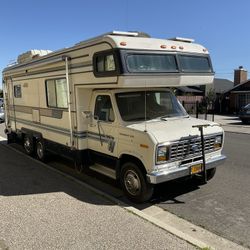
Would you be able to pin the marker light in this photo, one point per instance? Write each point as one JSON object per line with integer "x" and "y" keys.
{"x": 173, "y": 47}
{"x": 123, "y": 43}
{"x": 163, "y": 46}
{"x": 218, "y": 142}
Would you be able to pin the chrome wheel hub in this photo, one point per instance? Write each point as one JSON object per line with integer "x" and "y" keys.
{"x": 27, "y": 145}
{"x": 132, "y": 182}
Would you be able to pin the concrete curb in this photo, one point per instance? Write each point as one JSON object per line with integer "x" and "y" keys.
{"x": 171, "y": 223}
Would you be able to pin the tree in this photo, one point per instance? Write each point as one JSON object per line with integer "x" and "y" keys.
{"x": 1, "y": 93}
{"x": 210, "y": 96}
{"x": 209, "y": 100}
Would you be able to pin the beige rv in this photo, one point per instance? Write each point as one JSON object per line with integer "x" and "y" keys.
{"x": 106, "y": 104}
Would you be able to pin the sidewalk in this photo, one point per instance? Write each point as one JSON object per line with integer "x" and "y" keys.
{"x": 232, "y": 123}
{"x": 41, "y": 209}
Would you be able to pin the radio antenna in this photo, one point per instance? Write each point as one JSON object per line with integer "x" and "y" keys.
{"x": 145, "y": 108}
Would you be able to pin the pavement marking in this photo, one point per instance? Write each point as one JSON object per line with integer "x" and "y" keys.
{"x": 169, "y": 222}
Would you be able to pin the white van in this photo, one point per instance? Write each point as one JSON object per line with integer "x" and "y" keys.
{"x": 107, "y": 104}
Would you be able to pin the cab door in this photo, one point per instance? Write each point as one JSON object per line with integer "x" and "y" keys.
{"x": 102, "y": 132}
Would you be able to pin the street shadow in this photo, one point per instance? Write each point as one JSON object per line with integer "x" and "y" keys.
{"x": 22, "y": 175}
{"x": 169, "y": 193}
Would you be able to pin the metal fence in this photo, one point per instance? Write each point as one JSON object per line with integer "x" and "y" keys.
{"x": 201, "y": 110}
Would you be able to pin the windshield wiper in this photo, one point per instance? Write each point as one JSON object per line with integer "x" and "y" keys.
{"x": 165, "y": 116}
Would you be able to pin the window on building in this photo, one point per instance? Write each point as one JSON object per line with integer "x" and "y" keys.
{"x": 57, "y": 93}
{"x": 17, "y": 91}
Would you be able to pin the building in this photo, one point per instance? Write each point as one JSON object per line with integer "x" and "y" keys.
{"x": 239, "y": 95}
{"x": 219, "y": 86}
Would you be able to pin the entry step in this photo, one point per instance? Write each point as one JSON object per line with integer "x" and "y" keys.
{"x": 104, "y": 170}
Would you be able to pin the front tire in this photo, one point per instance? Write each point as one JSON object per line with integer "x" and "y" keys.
{"x": 210, "y": 173}
{"x": 134, "y": 183}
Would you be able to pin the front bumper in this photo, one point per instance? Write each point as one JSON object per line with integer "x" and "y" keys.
{"x": 182, "y": 171}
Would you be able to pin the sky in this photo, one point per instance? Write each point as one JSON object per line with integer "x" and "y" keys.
{"x": 222, "y": 26}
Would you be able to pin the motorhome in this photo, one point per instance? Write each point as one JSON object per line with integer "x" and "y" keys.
{"x": 107, "y": 104}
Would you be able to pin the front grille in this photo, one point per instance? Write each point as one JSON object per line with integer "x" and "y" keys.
{"x": 190, "y": 148}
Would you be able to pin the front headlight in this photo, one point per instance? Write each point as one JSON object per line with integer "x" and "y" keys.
{"x": 162, "y": 154}
{"x": 218, "y": 142}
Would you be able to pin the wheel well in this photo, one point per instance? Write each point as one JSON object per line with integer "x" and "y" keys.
{"x": 35, "y": 135}
{"x": 129, "y": 158}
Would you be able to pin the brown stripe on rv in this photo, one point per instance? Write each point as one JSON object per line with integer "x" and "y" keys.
{"x": 54, "y": 113}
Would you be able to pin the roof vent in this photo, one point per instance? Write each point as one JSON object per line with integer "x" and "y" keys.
{"x": 129, "y": 33}
{"x": 182, "y": 39}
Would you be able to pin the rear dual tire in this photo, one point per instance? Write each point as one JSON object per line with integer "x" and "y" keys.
{"x": 40, "y": 150}
{"x": 34, "y": 147}
{"x": 28, "y": 144}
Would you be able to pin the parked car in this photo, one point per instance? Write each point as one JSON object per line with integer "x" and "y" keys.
{"x": 2, "y": 116}
{"x": 244, "y": 113}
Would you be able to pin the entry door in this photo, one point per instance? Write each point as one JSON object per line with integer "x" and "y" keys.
{"x": 102, "y": 133}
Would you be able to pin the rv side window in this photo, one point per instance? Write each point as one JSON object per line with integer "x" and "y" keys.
{"x": 17, "y": 91}
{"x": 154, "y": 63}
{"x": 104, "y": 64}
{"x": 103, "y": 109}
{"x": 56, "y": 93}
{"x": 197, "y": 64}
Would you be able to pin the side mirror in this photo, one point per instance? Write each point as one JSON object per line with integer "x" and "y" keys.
{"x": 89, "y": 117}
{"x": 87, "y": 114}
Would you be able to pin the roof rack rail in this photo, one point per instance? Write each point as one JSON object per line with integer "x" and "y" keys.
{"x": 182, "y": 39}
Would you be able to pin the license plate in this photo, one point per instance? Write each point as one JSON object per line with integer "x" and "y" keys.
{"x": 196, "y": 168}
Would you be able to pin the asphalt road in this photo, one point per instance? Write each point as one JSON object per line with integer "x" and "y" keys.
{"x": 221, "y": 206}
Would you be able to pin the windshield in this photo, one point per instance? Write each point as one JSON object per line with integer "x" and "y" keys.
{"x": 159, "y": 104}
